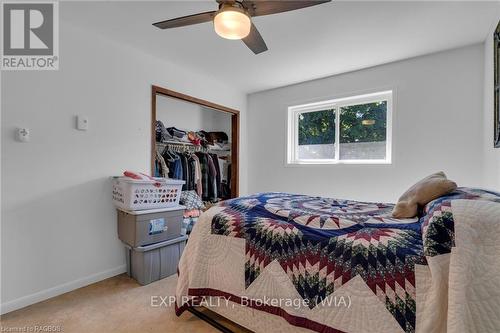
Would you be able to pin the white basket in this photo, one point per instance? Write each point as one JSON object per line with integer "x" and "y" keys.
{"x": 131, "y": 194}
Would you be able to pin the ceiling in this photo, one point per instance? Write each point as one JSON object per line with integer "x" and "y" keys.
{"x": 310, "y": 43}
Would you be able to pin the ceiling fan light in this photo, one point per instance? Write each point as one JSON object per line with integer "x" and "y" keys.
{"x": 232, "y": 23}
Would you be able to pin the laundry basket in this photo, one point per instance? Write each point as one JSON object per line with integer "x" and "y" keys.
{"x": 131, "y": 194}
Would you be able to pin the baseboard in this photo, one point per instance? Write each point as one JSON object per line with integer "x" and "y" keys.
{"x": 61, "y": 289}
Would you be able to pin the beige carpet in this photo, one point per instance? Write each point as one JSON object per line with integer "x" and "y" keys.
{"x": 118, "y": 304}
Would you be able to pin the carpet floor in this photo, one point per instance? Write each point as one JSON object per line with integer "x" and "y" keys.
{"x": 118, "y": 304}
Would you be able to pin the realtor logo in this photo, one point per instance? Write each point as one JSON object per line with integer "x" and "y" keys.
{"x": 30, "y": 36}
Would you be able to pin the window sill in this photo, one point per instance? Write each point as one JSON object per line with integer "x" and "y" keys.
{"x": 335, "y": 162}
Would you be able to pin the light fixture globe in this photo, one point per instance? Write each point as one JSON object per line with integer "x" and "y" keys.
{"x": 232, "y": 23}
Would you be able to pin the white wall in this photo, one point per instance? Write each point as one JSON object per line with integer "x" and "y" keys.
{"x": 58, "y": 222}
{"x": 191, "y": 117}
{"x": 491, "y": 155}
{"x": 437, "y": 125}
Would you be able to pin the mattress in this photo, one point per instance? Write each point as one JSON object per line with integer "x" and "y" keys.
{"x": 301, "y": 263}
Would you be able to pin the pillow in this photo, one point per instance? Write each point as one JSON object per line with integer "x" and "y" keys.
{"x": 191, "y": 200}
{"x": 423, "y": 192}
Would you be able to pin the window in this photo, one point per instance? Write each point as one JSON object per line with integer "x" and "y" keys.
{"x": 346, "y": 130}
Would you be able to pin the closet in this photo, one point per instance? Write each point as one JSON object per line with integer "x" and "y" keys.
{"x": 197, "y": 141}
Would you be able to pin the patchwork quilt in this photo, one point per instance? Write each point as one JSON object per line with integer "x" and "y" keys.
{"x": 332, "y": 265}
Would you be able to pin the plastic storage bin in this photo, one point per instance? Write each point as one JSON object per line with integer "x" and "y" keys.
{"x": 131, "y": 194}
{"x": 144, "y": 227}
{"x": 150, "y": 263}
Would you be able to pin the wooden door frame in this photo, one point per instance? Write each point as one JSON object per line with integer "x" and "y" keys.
{"x": 235, "y": 129}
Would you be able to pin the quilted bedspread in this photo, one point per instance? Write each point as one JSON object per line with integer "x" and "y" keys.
{"x": 333, "y": 265}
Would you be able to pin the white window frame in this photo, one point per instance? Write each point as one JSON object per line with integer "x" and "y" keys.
{"x": 336, "y": 104}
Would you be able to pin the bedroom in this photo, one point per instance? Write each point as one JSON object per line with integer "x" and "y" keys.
{"x": 66, "y": 131}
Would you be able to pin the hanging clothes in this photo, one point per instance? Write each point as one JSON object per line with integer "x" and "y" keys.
{"x": 174, "y": 164}
{"x": 197, "y": 167}
{"x": 222, "y": 168}
{"x": 192, "y": 173}
{"x": 204, "y": 175}
{"x": 215, "y": 159}
{"x": 204, "y": 172}
{"x": 185, "y": 171}
{"x": 161, "y": 168}
{"x": 212, "y": 179}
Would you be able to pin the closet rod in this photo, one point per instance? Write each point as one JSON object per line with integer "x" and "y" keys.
{"x": 190, "y": 146}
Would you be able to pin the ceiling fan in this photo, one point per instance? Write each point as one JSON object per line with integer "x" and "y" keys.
{"x": 233, "y": 18}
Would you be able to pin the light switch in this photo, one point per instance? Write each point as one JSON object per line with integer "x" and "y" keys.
{"x": 23, "y": 134}
{"x": 82, "y": 123}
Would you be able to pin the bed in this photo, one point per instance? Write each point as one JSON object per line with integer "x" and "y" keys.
{"x": 284, "y": 262}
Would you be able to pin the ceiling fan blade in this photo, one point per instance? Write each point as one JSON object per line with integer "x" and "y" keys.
{"x": 186, "y": 20}
{"x": 259, "y": 8}
{"x": 254, "y": 41}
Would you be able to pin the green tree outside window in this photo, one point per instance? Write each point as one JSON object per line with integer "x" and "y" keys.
{"x": 358, "y": 123}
